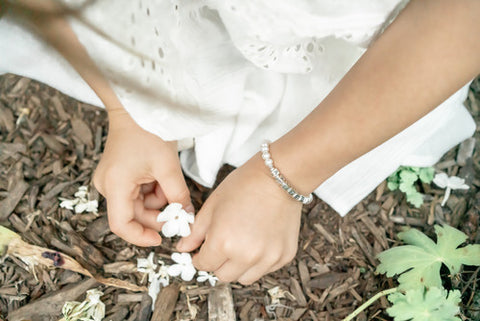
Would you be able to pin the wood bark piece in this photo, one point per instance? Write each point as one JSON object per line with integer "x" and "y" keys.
{"x": 165, "y": 303}
{"x": 220, "y": 304}
{"x": 51, "y": 305}
{"x": 14, "y": 196}
{"x": 97, "y": 229}
{"x": 297, "y": 292}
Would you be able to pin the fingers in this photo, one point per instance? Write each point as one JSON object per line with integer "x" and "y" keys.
{"x": 231, "y": 271}
{"x": 174, "y": 187}
{"x": 146, "y": 217}
{"x": 120, "y": 209}
{"x": 254, "y": 273}
{"x": 208, "y": 258}
{"x": 198, "y": 231}
{"x": 154, "y": 197}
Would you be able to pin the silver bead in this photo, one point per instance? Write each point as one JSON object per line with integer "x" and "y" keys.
{"x": 266, "y": 156}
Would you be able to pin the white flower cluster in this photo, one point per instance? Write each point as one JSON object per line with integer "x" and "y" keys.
{"x": 159, "y": 274}
{"x": 92, "y": 309}
{"x": 177, "y": 222}
{"x": 81, "y": 203}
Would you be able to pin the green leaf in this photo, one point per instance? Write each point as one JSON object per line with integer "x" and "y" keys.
{"x": 419, "y": 305}
{"x": 407, "y": 187}
{"x": 6, "y": 236}
{"x": 408, "y": 177}
{"x": 415, "y": 198}
{"x": 426, "y": 174}
{"x": 419, "y": 263}
{"x": 393, "y": 181}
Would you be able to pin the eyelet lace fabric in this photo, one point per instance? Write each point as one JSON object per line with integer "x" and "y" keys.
{"x": 225, "y": 75}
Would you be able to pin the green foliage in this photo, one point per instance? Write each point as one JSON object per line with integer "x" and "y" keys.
{"x": 5, "y": 237}
{"x": 420, "y": 305}
{"x": 419, "y": 263}
{"x": 405, "y": 178}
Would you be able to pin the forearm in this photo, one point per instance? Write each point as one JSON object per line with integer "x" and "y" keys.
{"x": 428, "y": 53}
{"x": 55, "y": 29}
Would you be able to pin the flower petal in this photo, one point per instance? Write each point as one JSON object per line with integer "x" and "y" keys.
{"x": 175, "y": 269}
{"x": 170, "y": 228}
{"x": 176, "y": 257}
{"x": 183, "y": 228}
{"x": 188, "y": 272}
{"x": 202, "y": 278}
{"x": 441, "y": 180}
{"x": 457, "y": 183}
{"x": 184, "y": 258}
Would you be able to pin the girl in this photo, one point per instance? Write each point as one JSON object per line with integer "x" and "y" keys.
{"x": 216, "y": 78}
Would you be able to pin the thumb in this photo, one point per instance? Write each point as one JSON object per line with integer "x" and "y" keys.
{"x": 196, "y": 237}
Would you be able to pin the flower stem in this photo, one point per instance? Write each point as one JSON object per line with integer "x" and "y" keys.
{"x": 369, "y": 302}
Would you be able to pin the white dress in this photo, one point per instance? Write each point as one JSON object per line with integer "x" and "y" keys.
{"x": 221, "y": 76}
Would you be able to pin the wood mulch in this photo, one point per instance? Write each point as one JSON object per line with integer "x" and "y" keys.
{"x": 50, "y": 145}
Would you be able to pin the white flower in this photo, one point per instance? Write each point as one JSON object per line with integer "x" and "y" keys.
{"x": 449, "y": 183}
{"x": 88, "y": 206}
{"x": 177, "y": 220}
{"x": 80, "y": 204}
{"x": 184, "y": 266}
{"x": 92, "y": 309}
{"x": 154, "y": 288}
{"x": 82, "y": 193}
{"x": 147, "y": 266}
{"x": 156, "y": 280}
{"x": 68, "y": 204}
{"x": 162, "y": 274}
{"x": 205, "y": 276}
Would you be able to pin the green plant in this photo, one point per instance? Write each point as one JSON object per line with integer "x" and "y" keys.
{"x": 420, "y": 295}
{"x": 405, "y": 178}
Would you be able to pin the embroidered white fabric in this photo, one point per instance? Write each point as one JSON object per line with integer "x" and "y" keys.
{"x": 223, "y": 75}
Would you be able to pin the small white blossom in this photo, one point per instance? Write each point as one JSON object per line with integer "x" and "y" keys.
{"x": 81, "y": 203}
{"x": 147, "y": 266}
{"x": 68, "y": 204}
{"x": 156, "y": 279}
{"x": 177, "y": 220}
{"x": 183, "y": 266}
{"x": 82, "y": 192}
{"x": 162, "y": 274}
{"x": 92, "y": 309}
{"x": 449, "y": 183}
{"x": 205, "y": 276}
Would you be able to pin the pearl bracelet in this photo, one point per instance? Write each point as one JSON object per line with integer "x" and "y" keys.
{"x": 280, "y": 179}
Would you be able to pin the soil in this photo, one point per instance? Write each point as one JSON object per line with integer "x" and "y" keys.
{"x": 50, "y": 145}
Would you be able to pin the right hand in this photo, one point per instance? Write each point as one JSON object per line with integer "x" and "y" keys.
{"x": 138, "y": 174}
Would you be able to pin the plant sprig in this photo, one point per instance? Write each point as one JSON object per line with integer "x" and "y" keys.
{"x": 405, "y": 179}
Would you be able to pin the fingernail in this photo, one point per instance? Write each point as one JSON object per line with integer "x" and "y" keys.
{"x": 190, "y": 209}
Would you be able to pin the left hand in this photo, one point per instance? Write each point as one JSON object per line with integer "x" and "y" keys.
{"x": 249, "y": 226}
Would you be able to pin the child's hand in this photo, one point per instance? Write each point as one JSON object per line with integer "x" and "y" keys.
{"x": 138, "y": 174}
{"x": 249, "y": 224}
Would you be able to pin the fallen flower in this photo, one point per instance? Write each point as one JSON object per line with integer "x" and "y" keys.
{"x": 177, "y": 220}
{"x": 147, "y": 266}
{"x": 156, "y": 279}
{"x": 92, "y": 309}
{"x": 205, "y": 276}
{"x": 183, "y": 266}
{"x": 449, "y": 183}
{"x": 81, "y": 203}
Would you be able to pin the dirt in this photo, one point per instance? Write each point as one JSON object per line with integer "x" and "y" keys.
{"x": 50, "y": 145}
